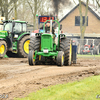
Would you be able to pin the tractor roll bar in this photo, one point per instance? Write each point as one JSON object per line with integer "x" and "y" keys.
{"x": 51, "y": 28}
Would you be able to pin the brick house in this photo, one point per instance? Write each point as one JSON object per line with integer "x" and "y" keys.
{"x": 71, "y": 22}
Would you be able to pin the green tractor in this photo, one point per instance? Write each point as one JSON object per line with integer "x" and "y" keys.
{"x": 43, "y": 47}
{"x": 14, "y": 39}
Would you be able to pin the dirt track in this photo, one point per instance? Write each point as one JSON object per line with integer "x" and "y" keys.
{"x": 17, "y": 78}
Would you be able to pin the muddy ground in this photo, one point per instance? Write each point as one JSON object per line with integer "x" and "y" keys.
{"x": 18, "y": 79}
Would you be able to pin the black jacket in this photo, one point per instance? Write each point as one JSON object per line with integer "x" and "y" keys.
{"x": 48, "y": 29}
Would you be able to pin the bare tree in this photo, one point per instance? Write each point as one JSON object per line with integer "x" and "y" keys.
{"x": 15, "y": 9}
{"x": 5, "y": 7}
{"x": 16, "y": 4}
{"x": 37, "y": 7}
{"x": 83, "y": 27}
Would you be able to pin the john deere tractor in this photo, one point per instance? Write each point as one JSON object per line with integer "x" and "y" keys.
{"x": 14, "y": 39}
{"x": 43, "y": 47}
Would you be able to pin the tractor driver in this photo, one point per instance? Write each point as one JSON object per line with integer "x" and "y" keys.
{"x": 47, "y": 28}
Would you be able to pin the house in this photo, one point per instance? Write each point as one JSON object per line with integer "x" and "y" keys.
{"x": 71, "y": 22}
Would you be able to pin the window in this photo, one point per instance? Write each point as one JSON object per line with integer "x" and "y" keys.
{"x": 77, "y": 20}
{"x": 8, "y": 27}
{"x": 24, "y": 27}
{"x": 18, "y": 28}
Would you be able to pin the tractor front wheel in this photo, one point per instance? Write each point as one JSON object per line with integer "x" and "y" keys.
{"x": 3, "y": 48}
{"x": 35, "y": 45}
{"x": 31, "y": 60}
{"x": 60, "y": 58}
{"x": 23, "y": 46}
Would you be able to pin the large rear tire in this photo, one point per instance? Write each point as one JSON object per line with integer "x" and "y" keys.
{"x": 66, "y": 46}
{"x": 3, "y": 48}
{"x": 35, "y": 45}
{"x": 23, "y": 46}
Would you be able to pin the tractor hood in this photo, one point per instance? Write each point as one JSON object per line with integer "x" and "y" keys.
{"x": 47, "y": 42}
{"x": 3, "y": 34}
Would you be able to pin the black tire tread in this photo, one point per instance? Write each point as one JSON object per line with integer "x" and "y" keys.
{"x": 30, "y": 57}
{"x": 2, "y": 42}
{"x": 35, "y": 45}
{"x": 59, "y": 58}
{"x": 21, "y": 52}
{"x": 65, "y": 46}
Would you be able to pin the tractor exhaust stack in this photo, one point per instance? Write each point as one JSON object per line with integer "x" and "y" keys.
{"x": 51, "y": 25}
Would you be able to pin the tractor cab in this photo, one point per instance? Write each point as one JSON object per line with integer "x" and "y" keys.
{"x": 15, "y": 35}
{"x": 16, "y": 28}
{"x": 13, "y": 29}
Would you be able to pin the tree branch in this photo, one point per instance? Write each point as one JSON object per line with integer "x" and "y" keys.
{"x": 11, "y": 9}
{"x": 86, "y": 13}
{"x": 98, "y": 3}
{"x": 74, "y": 2}
{"x": 30, "y": 7}
{"x": 81, "y": 18}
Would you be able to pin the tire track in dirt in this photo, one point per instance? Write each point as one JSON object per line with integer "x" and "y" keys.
{"x": 20, "y": 79}
{"x": 22, "y": 89}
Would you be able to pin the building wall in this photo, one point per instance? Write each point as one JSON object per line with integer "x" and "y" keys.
{"x": 68, "y": 24}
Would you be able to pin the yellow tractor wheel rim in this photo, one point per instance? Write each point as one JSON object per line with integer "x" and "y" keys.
{"x": 70, "y": 54}
{"x": 62, "y": 59}
{"x": 26, "y": 46}
{"x": 33, "y": 58}
{"x": 39, "y": 57}
{"x": 2, "y": 49}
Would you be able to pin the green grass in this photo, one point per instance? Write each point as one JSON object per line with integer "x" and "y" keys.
{"x": 86, "y": 89}
{"x": 87, "y": 55}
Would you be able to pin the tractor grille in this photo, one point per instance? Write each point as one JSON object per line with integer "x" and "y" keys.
{"x": 47, "y": 42}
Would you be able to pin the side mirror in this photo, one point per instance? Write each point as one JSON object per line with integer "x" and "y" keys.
{"x": 13, "y": 24}
{"x": 60, "y": 27}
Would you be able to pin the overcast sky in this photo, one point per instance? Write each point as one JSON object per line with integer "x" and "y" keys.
{"x": 68, "y": 8}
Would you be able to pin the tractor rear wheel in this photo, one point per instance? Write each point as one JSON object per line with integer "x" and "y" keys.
{"x": 3, "y": 48}
{"x": 66, "y": 46}
{"x": 35, "y": 45}
{"x": 60, "y": 58}
{"x": 23, "y": 47}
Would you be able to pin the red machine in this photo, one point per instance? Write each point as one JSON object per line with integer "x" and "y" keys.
{"x": 90, "y": 49}
{"x": 87, "y": 49}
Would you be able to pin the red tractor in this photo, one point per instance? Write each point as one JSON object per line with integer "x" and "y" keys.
{"x": 90, "y": 49}
{"x": 87, "y": 49}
